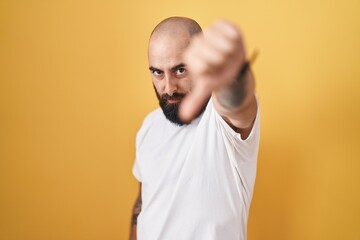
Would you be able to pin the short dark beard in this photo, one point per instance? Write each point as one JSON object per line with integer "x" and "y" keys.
{"x": 171, "y": 110}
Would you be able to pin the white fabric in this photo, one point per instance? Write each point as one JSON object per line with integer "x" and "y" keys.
{"x": 197, "y": 180}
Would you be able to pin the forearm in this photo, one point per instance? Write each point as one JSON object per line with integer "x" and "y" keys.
{"x": 135, "y": 213}
{"x": 236, "y": 103}
{"x": 133, "y": 232}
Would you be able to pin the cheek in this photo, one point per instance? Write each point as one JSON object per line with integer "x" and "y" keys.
{"x": 157, "y": 85}
{"x": 186, "y": 85}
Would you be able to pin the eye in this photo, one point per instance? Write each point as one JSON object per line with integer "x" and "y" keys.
{"x": 157, "y": 73}
{"x": 180, "y": 71}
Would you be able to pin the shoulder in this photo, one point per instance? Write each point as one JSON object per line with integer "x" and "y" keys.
{"x": 152, "y": 118}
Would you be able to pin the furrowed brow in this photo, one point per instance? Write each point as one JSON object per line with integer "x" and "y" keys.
{"x": 153, "y": 69}
{"x": 181, "y": 65}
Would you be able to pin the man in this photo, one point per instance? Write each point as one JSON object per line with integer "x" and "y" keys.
{"x": 196, "y": 156}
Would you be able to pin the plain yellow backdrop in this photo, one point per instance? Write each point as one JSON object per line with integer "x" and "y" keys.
{"x": 74, "y": 89}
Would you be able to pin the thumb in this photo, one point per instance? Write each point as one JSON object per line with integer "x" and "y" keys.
{"x": 194, "y": 103}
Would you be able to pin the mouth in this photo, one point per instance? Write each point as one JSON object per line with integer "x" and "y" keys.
{"x": 173, "y": 101}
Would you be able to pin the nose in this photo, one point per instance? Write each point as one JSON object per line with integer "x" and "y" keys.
{"x": 170, "y": 85}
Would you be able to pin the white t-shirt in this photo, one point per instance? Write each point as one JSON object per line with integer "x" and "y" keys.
{"x": 197, "y": 180}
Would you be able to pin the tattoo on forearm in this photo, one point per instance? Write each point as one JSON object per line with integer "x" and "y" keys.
{"x": 233, "y": 96}
{"x": 136, "y": 210}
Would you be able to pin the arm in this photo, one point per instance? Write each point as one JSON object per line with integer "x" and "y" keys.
{"x": 237, "y": 103}
{"x": 135, "y": 213}
{"x": 216, "y": 61}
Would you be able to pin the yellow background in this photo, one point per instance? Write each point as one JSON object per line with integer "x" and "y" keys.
{"x": 74, "y": 89}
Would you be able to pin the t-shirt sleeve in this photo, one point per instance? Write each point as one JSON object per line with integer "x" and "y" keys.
{"x": 245, "y": 149}
{"x": 136, "y": 171}
{"x": 242, "y": 153}
{"x": 137, "y": 168}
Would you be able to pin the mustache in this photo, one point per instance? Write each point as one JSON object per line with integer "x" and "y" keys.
{"x": 175, "y": 96}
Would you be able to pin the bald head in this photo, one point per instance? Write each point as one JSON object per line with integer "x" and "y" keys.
{"x": 177, "y": 24}
{"x": 171, "y": 36}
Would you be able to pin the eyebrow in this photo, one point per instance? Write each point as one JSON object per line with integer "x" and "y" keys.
{"x": 154, "y": 69}
{"x": 181, "y": 65}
